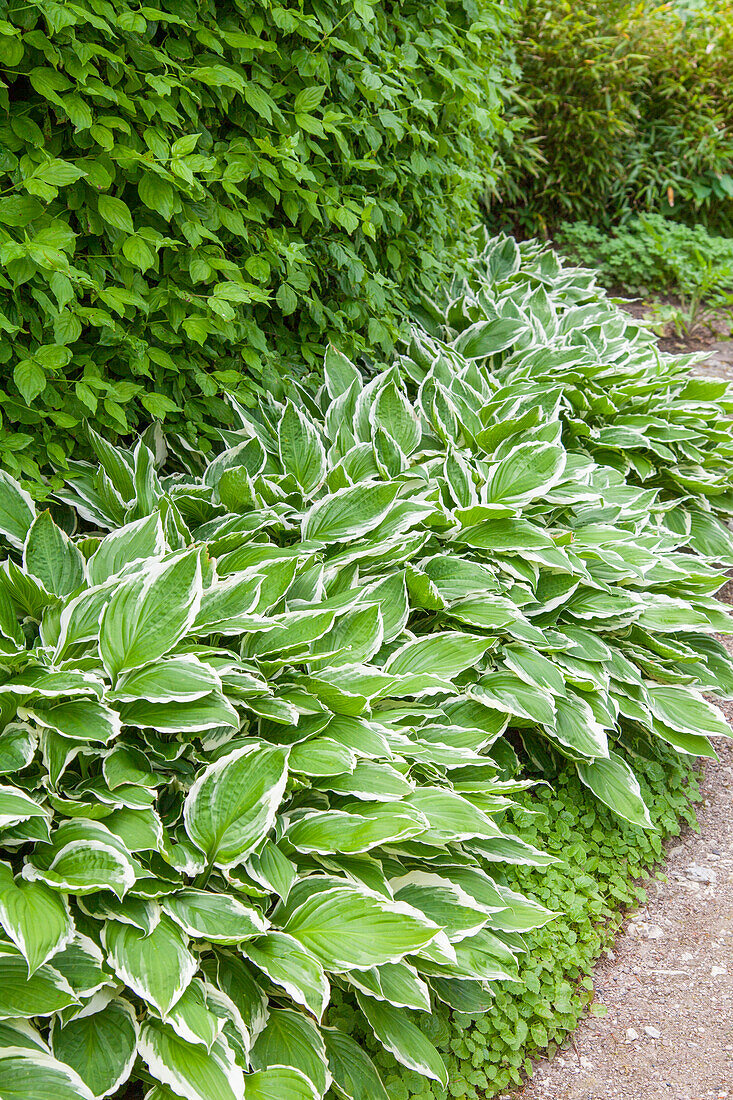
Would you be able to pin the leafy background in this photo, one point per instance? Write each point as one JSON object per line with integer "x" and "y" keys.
{"x": 195, "y": 195}
{"x": 623, "y": 107}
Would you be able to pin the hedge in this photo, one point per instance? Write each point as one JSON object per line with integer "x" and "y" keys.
{"x": 194, "y": 193}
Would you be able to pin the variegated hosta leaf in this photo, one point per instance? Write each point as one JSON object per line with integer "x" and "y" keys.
{"x": 34, "y": 1075}
{"x": 253, "y": 713}
{"x": 101, "y": 1047}
{"x": 36, "y": 918}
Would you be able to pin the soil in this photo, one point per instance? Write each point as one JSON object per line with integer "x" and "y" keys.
{"x": 668, "y": 982}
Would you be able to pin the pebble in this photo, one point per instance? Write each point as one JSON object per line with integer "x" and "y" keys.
{"x": 717, "y": 971}
{"x": 701, "y": 874}
{"x": 631, "y": 1034}
{"x": 652, "y": 1032}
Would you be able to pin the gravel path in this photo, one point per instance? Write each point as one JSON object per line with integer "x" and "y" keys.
{"x": 668, "y": 983}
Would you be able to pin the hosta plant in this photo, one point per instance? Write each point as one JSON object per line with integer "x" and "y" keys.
{"x": 262, "y": 719}
{"x": 622, "y": 402}
{"x": 211, "y": 814}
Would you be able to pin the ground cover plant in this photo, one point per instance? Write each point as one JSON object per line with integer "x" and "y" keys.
{"x": 654, "y": 253}
{"x": 624, "y": 108}
{"x": 602, "y": 863}
{"x": 265, "y": 714}
{"x": 197, "y": 193}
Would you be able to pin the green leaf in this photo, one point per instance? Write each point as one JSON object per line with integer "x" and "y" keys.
{"x": 308, "y": 98}
{"x": 138, "y": 252}
{"x": 149, "y": 613}
{"x": 402, "y": 1039}
{"x": 100, "y": 1047}
{"x": 349, "y": 929}
{"x": 35, "y": 918}
{"x": 232, "y": 805}
{"x": 116, "y": 213}
{"x": 287, "y": 299}
{"x": 30, "y": 378}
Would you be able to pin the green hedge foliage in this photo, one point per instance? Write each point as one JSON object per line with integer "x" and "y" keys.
{"x": 624, "y": 108}
{"x": 265, "y": 715}
{"x": 193, "y": 192}
{"x": 597, "y": 878}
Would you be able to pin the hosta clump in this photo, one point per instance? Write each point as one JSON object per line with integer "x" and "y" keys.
{"x": 255, "y": 714}
{"x": 535, "y": 325}
{"x": 211, "y": 814}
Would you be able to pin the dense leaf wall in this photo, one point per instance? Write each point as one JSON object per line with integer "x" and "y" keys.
{"x": 196, "y": 191}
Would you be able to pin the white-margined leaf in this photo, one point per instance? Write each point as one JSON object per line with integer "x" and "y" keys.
{"x": 174, "y": 679}
{"x": 445, "y": 655}
{"x": 354, "y": 1074}
{"x": 45, "y": 992}
{"x": 292, "y": 1039}
{"x": 34, "y": 1075}
{"x": 349, "y": 513}
{"x": 149, "y": 613}
{"x": 158, "y": 966}
{"x": 135, "y": 542}
{"x": 301, "y": 450}
{"x": 218, "y": 918}
{"x": 232, "y": 805}
{"x": 403, "y": 1039}
{"x": 35, "y": 918}
{"x": 17, "y": 511}
{"x": 16, "y": 805}
{"x": 350, "y": 929}
{"x": 51, "y": 556}
{"x": 614, "y": 783}
{"x": 279, "y": 1083}
{"x": 289, "y": 965}
{"x": 188, "y": 1068}
{"x": 100, "y": 1047}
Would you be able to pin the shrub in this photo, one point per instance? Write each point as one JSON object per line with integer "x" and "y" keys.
{"x": 626, "y": 108}
{"x": 255, "y": 729}
{"x": 196, "y": 193}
